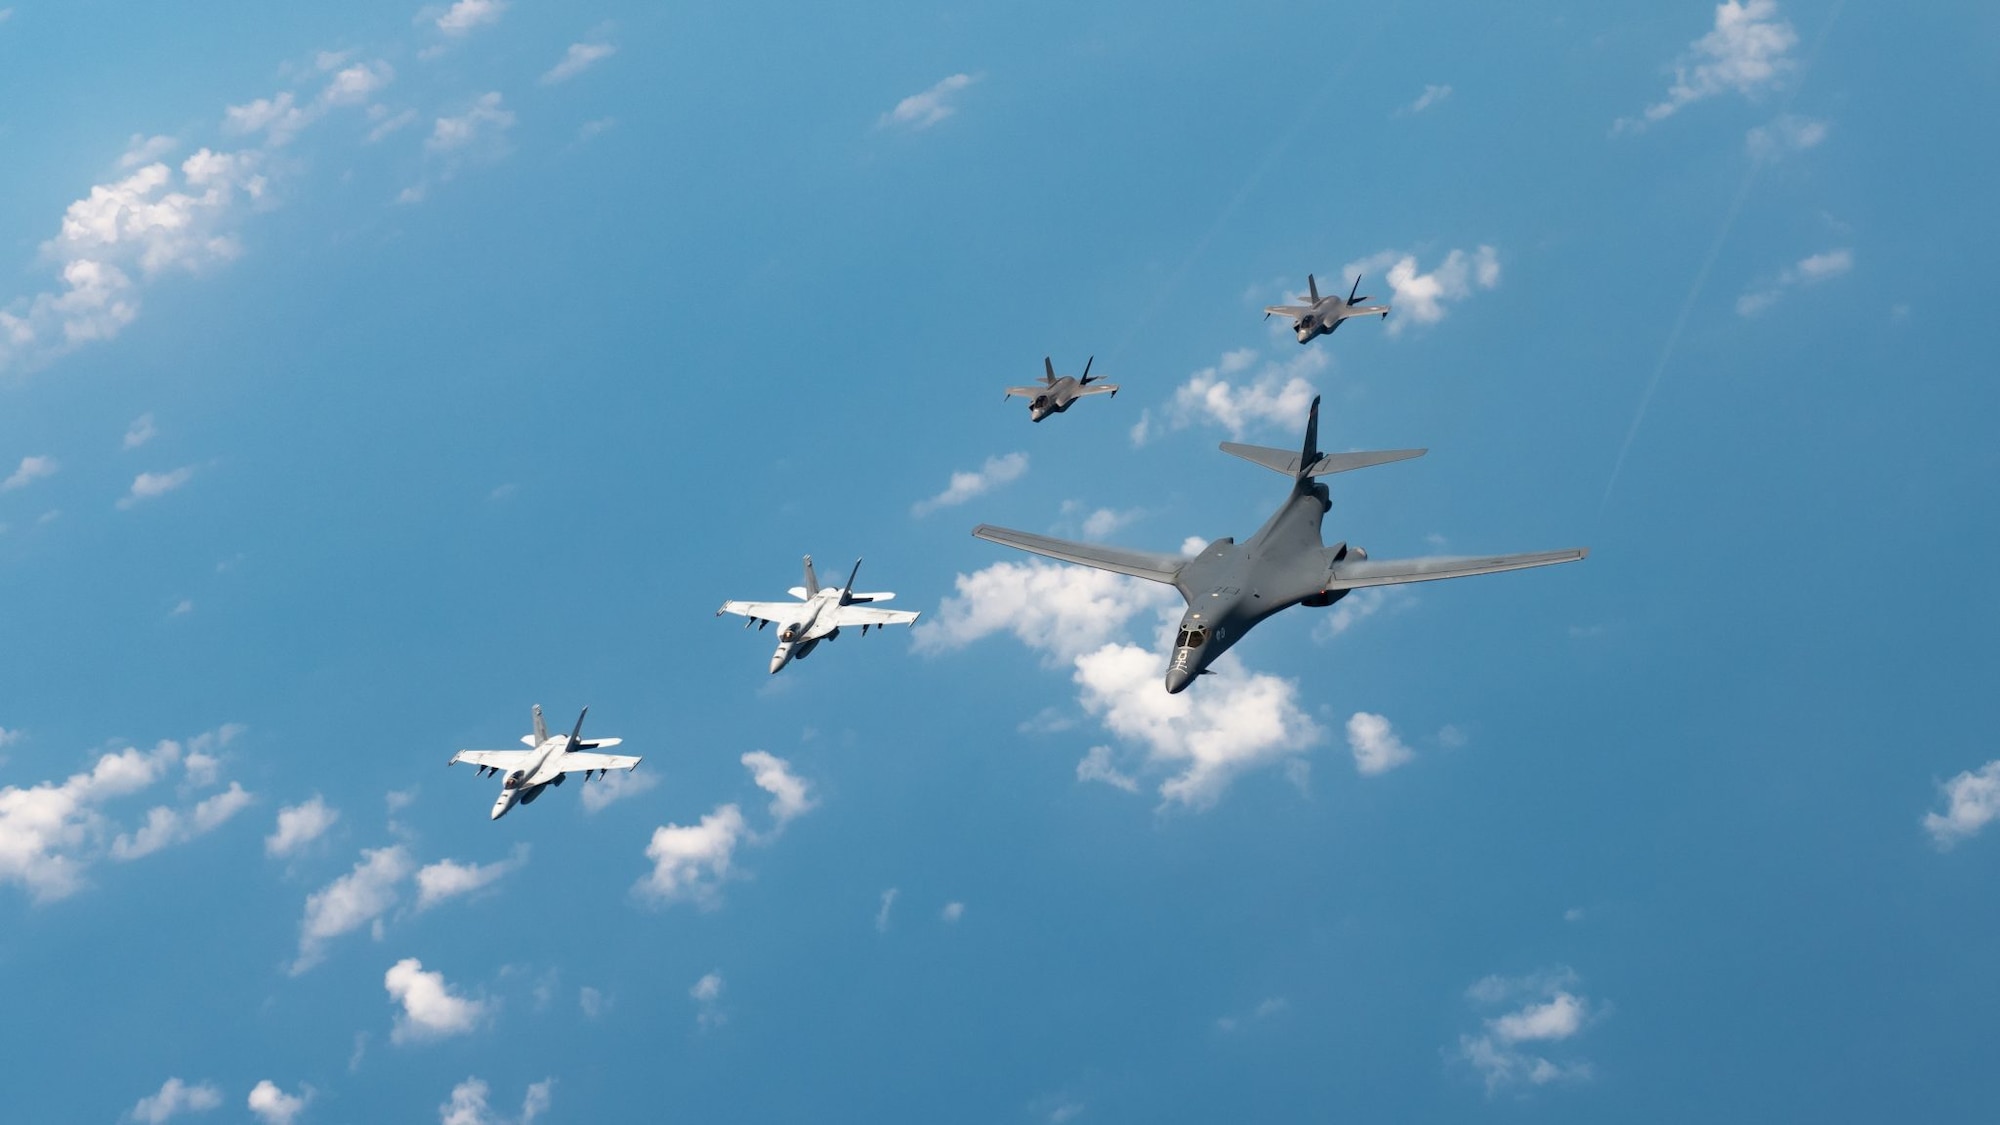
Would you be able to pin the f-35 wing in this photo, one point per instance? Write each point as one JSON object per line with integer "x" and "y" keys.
{"x": 493, "y": 759}
{"x": 1152, "y": 566}
{"x": 1293, "y": 311}
{"x": 1097, "y": 389}
{"x": 577, "y": 761}
{"x": 849, "y": 615}
{"x": 1029, "y": 391}
{"x": 1352, "y": 574}
{"x": 776, "y": 612}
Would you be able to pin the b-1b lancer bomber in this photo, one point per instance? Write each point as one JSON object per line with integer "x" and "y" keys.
{"x": 1230, "y": 587}
{"x": 818, "y": 615}
{"x": 546, "y": 762}
{"x": 1055, "y": 394}
{"x": 1324, "y": 314}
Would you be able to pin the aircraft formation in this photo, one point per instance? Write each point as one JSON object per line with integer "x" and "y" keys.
{"x": 1228, "y": 587}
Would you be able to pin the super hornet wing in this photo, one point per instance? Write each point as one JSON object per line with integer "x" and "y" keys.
{"x": 1150, "y": 565}
{"x": 1353, "y": 574}
{"x": 579, "y": 760}
{"x": 848, "y": 615}
{"x": 502, "y": 760}
{"x": 777, "y": 612}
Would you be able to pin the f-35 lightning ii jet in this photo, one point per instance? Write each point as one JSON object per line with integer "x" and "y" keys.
{"x": 818, "y": 615}
{"x": 1230, "y": 587}
{"x": 1054, "y": 394}
{"x": 546, "y": 762}
{"x": 1325, "y": 313}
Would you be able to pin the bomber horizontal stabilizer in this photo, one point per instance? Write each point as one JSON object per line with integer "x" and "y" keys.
{"x": 1286, "y": 461}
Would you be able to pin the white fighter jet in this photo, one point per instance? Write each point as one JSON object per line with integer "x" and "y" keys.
{"x": 818, "y": 615}
{"x": 547, "y": 761}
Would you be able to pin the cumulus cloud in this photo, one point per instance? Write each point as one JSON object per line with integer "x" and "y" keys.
{"x": 484, "y": 124}
{"x": 613, "y": 787}
{"x": 1357, "y": 607}
{"x": 165, "y": 827}
{"x": 1516, "y": 1046}
{"x": 467, "y": 15}
{"x": 275, "y": 1107}
{"x": 430, "y": 1009}
{"x": 1097, "y": 766}
{"x": 359, "y": 898}
{"x": 51, "y": 833}
{"x": 707, "y": 995}
{"x": 1376, "y": 748}
{"x": 147, "y": 486}
{"x": 468, "y": 1104}
{"x": 1230, "y": 396}
{"x": 449, "y": 878}
{"x": 32, "y": 469}
{"x": 1061, "y": 611}
{"x": 1810, "y": 270}
{"x": 139, "y": 432}
{"x": 579, "y": 58}
{"x": 1421, "y": 298}
{"x": 174, "y": 1099}
{"x": 690, "y": 862}
{"x": 1747, "y": 51}
{"x": 997, "y": 470}
{"x": 921, "y": 111}
{"x": 299, "y": 825}
{"x": 1972, "y": 800}
{"x": 1431, "y": 96}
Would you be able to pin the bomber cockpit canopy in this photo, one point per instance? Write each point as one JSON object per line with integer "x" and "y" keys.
{"x": 1191, "y": 638}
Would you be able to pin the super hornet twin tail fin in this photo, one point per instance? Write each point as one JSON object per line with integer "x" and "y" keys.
{"x": 1309, "y": 461}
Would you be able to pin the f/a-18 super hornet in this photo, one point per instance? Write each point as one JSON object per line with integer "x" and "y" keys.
{"x": 1055, "y": 394}
{"x": 1324, "y": 314}
{"x": 1230, "y": 587}
{"x": 546, "y": 762}
{"x": 818, "y": 615}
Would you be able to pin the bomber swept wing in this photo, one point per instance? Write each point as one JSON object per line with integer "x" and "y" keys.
{"x": 1150, "y": 565}
{"x": 1353, "y": 574}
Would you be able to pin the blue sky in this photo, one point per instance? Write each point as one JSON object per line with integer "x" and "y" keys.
{"x": 374, "y": 372}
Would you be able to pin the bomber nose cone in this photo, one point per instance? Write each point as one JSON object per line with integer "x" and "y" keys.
{"x": 1178, "y": 679}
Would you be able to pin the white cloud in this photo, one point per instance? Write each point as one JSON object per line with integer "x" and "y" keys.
{"x": 602, "y": 791}
{"x": 299, "y": 825}
{"x": 466, "y": 15}
{"x": 356, "y": 84}
{"x": 536, "y": 1101}
{"x": 32, "y": 469}
{"x": 139, "y": 432}
{"x": 1431, "y": 96}
{"x": 690, "y": 863}
{"x": 51, "y": 833}
{"x": 1265, "y": 1009}
{"x": 359, "y": 898}
{"x": 579, "y": 58}
{"x": 1059, "y": 610}
{"x": 1420, "y": 298}
{"x": 1972, "y": 801}
{"x": 166, "y": 827}
{"x": 997, "y": 470}
{"x": 921, "y": 111}
{"x": 430, "y": 1009}
{"x": 1514, "y": 1047}
{"x": 1357, "y": 607}
{"x": 952, "y": 912}
{"x": 275, "y": 1107}
{"x": 1786, "y": 133}
{"x": 146, "y": 486}
{"x": 791, "y": 795}
{"x": 882, "y": 915}
{"x": 1224, "y": 395}
{"x": 1810, "y": 270}
{"x": 707, "y": 995}
{"x": 1747, "y": 51}
{"x": 592, "y": 1002}
{"x": 1376, "y": 748}
{"x": 387, "y": 123}
{"x": 1096, "y": 766}
{"x": 468, "y": 1105}
{"x": 449, "y": 878}
{"x": 484, "y": 124}
{"x": 174, "y": 1099}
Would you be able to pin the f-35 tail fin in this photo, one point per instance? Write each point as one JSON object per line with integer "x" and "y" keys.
{"x": 1049, "y": 366}
{"x": 1312, "y": 286}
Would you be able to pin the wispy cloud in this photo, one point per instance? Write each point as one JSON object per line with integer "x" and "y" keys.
{"x": 1376, "y": 748}
{"x": 1432, "y": 95}
{"x": 882, "y": 914}
{"x": 707, "y": 997}
{"x": 468, "y": 1104}
{"x": 300, "y": 825}
{"x": 1783, "y": 135}
{"x": 1520, "y": 1046}
{"x": 1972, "y": 801}
{"x": 485, "y": 122}
{"x": 998, "y": 470}
{"x": 1747, "y": 51}
{"x": 448, "y": 878}
{"x": 147, "y": 486}
{"x": 139, "y": 432}
{"x": 32, "y": 469}
{"x": 579, "y": 58}
{"x": 468, "y": 15}
{"x": 174, "y": 1099}
{"x": 1809, "y": 270}
{"x": 359, "y": 898}
{"x": 921, "y": 111}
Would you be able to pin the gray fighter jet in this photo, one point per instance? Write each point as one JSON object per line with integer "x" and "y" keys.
{"x": 818, "y": 615}
{"x": 1054, "y": 394}
{"x": 1230, "y": 587}
{"x": 1325, "y": 313}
